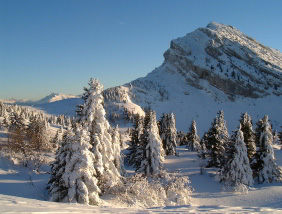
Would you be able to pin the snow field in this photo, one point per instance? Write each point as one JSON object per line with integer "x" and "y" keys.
{"x": 22, "y": 190}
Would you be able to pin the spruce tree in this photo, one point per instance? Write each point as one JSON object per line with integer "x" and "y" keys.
{"x": 134, "y": 156}
{"x": 202, "y": 151}
{"x": 152, "y": 148}
{"x": 73, "y": 176}
{"x": 118, "y": 156}
{"x": 265, "y": 168}
{"x": 168, "y": 133}
{"x": 237, "y": 169}
{"x": 193, "y": 138}
{"x": 249, "y": 135}
{"x": 93, "y": 118}
{"x": 217, "y": 138}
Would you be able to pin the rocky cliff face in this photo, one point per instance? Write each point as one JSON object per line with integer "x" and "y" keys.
{"x": 228, "y": 60}
{"x": 210, "y": 69}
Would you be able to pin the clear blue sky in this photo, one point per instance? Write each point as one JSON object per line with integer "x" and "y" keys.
{"x": 57, "y": 45}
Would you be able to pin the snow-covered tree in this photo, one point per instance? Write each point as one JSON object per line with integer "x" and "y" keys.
{"x": 168, "y": 133}
{"x": 93, "y": 117}
{"x": 181, "y": 138}
{"x": 152, "y": 148}
{"x": 249, "y": 135}
{"x": 135, "y": 154}
{"x": 193, "y": 143}
{"x": 118, "y": 156}
{"x": 265, "y": 168}
{"x": 2, "y": 109}
{"x": 38, "y": 134}
{"x": 217, "y": 138}
{"x": 73, "y": 175}
{"x": 237, "y": 169}
{"x": 55, "y": 142}
{"x": 202, "y": 151}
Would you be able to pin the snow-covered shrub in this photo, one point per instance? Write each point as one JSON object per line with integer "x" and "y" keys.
{"x": 176, "y": 187}
{"x": 165, "y": 189}
{"x": 238, "y": 188}
{"x": 138, "y": 191}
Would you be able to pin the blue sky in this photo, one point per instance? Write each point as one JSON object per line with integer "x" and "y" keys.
{"x": 57, "y": 45}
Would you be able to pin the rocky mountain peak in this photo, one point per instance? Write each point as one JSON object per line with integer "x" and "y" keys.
{"x": 228, "y": 59}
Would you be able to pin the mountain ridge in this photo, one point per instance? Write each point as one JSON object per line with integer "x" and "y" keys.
{"x": 211, "y": 69}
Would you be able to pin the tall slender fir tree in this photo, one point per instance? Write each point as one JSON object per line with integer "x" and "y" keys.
{"x": 168, "y": 133}
{"x": 217, "y": 139}
{"x": 265, "y": 168}
{"x": 152, "y": 148}
{"x": 193, "y": 138}
{"x": 237, "y": 169}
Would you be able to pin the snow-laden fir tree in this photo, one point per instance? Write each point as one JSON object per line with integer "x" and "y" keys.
{"x": 58, "y": 190}
{"x": 55, "y": 142}
{"x": 135, "y": 154}
{"x": 152, "y": 148}
{"x": 93, "y": 117}
{"x": 237, "y": 169}
{"x": 193, "y": 138}
{"x": 217, "y": 139}
{"x": 118, "y": 156}
{"x": 249, "y": 135}
{"x": 202, "y": 151}
{"x": 265, "y": 168}
{"x": 2, "y": 109}
{"x": 73, "y": 176}
{"x": 181, "y": 138}
{"x": 168, "y": 133}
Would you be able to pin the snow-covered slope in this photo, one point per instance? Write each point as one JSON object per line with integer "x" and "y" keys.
{"x": 210, "y": 69}
{"x": 23, "y": 190}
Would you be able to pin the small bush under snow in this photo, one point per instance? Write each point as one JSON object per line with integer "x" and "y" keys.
{"x": 168, "y": 189}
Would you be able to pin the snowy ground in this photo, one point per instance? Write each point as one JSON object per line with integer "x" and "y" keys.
{"x": 22, "y": 190}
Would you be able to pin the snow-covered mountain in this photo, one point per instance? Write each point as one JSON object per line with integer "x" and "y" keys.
{"x": 13, "y": 101}
{"x": 210, "y": 69}
{"x": 54, "y": 97}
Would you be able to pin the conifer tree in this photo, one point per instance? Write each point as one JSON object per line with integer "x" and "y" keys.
{"x": 135, "y": 148}
{"x": 73, "y": 176}
{"x": 56, "y": 140}
{"x": 237, "y": 169}
{"x": 168, "y": 133}
{"x": 265, "y": 168}
{"x": 93, "y": 118}
{"x": 118, "y": 156}
{"x": 193, "y": 138}
{"x": 202, "y": 152}
{"x": 249, "y": 136}
{"x": 152, "y": 148}
{"x": 217, "y": 138}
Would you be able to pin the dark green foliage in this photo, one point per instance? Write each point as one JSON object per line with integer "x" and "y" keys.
{"x": 168, "y": 133}
{"x": 217, "y": 138}
{"x": 249, "y": 135}
{"x": 135, "y": 148}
